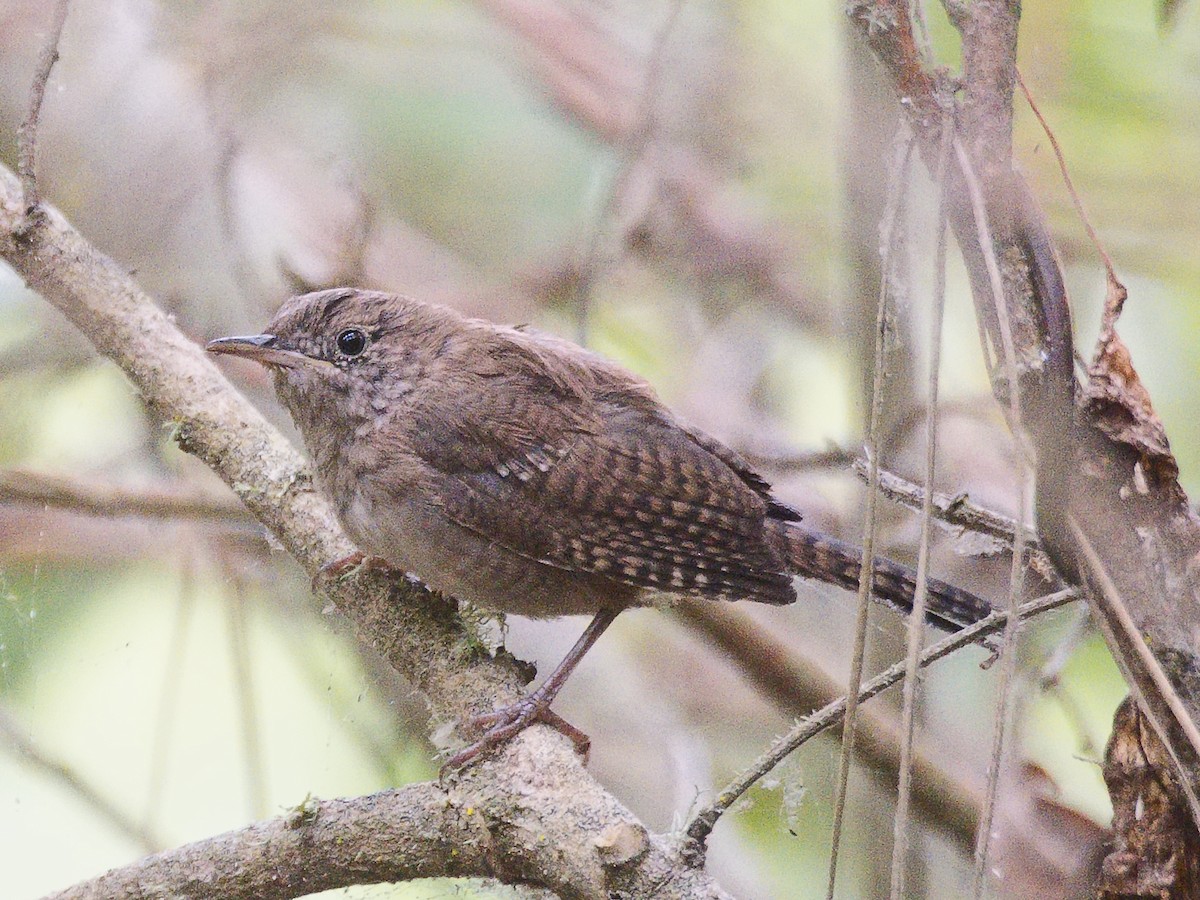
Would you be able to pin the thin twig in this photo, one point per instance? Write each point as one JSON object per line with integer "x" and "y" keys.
{"x": 99, "y": 498}
{"x": 27, "y": 133}
{"x": 702, "y": 823}
{"x": 1050, "y": 673}
{"x": 169, "y": 708}
{"x": 916, "y": 621}
{"x": 946, "y": 800}
{"x": 890, "y": 228}
{"x": 1008, "y": 668}
{"x": 14, "y": 735}
{"x": 1066, "y": 175}
{"x": 1049, "y": 681}
{"x": 958, "y": 514}
{"x": 956, "y": 511}
{"x": 802, "y": 460}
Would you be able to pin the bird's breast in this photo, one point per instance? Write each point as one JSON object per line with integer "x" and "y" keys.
{"x": 414, "y": 535}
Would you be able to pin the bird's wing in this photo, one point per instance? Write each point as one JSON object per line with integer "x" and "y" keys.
{"x": 610, "y": 486}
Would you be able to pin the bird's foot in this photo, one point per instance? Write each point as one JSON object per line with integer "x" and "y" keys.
{"x": 502, "y": 725}
{"x": 351, "y": 563}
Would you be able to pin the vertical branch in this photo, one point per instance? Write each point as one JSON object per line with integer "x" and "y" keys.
{"x": 989, "y": 80}
{"x": 916, "y": 621}
{"x": 27, "y": 134}
{"x": 890, "y": 228}
{"x": 1008, "y": 667}
{"x": 1008, "y": 344}
{"x": 870, "y": 131}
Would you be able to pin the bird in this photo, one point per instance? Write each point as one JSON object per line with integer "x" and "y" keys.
{"x": 522, "y": 473}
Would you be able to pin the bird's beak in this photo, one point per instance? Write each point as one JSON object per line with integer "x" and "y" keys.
{"x": 260, "y": 348}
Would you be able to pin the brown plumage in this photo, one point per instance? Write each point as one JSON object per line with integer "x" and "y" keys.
{"x": 525, "y": 474}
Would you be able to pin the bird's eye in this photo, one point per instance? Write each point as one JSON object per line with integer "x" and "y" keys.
{"x": 351, "y": 342}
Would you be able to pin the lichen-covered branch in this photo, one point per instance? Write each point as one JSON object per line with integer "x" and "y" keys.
{"x": 414, "y": 832}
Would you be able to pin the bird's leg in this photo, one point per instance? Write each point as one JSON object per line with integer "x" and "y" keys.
{"x": 504, "y": 724}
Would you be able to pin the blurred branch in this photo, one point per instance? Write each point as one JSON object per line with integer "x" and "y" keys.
{"x": 98, "y": 498}
{"x": 246, "y": 700}
{"x": 14, "y": 735}
{"x": 797, "y": 686}
{"x": 634, "y": 148}
{"x": 801, "y": 460}
{"x": 890, "y": 284}
{"x": 702, "y": 823}
{"x": 916, "y": 623}
{"x": 694, "y": 214}
{"x": 546, "y": 818}
{"x": 413, "y": 832}
{"x": 169, "y": 707}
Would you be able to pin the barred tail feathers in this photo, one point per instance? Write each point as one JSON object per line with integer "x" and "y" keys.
{"x": 827, "y": 559}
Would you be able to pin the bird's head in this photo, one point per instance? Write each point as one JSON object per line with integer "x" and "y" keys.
{"x": 340, "y": 355}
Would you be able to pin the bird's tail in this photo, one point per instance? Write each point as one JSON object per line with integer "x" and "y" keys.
{"x": 823, "y": 558}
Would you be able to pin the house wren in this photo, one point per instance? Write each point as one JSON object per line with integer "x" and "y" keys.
{"x": 524, "y": 474}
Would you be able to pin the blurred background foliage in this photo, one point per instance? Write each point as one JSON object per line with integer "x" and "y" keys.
{"x": 693, "y": 188}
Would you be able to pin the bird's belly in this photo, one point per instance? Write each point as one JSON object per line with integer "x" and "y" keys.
{"x": 416, "y": 536}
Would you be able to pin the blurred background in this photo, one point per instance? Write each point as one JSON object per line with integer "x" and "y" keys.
{"x": 693, "y": 189}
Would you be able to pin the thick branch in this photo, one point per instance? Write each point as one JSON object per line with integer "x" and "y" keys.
{"x": 415, "y": 832}
{"x": 554, "y": 816}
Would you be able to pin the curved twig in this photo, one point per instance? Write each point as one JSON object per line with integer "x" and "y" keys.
{"x": 702, "y": 823}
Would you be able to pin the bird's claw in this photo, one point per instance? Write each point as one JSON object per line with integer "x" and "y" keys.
{"x": 502, "y": 725}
